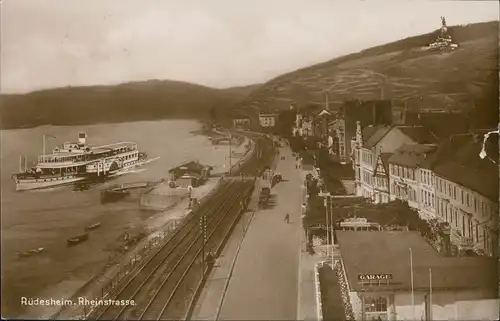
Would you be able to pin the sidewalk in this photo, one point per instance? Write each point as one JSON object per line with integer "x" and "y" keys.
{"x": 264, "y": 272}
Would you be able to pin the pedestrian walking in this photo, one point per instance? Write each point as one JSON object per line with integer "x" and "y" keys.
{"x": 287, "y": 218}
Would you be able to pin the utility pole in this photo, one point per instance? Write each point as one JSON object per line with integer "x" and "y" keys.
{"x": 203, "y": 229}
{"x": 230, "y": 151}
{"x": 412, "y": 286}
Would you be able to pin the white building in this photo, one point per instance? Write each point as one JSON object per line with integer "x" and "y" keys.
{"x": 267, "y": 120}
{"x": 467, "y": 194}
{"x": 304, "y": 126}
{"x": 375, "y": 140}
{"x": 405, "y": 167}
{"x": 376, "y": 271}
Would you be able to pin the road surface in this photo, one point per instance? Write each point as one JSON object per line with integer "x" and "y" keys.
{"x": 265, "y": 280}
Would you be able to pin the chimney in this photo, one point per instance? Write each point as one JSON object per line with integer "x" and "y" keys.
{"x": 327, "y": 104}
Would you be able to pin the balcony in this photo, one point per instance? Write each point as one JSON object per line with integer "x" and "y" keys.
{"x": 464, "y": 243}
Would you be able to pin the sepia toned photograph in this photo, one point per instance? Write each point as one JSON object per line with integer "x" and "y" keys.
{"x": 249, "y": 160}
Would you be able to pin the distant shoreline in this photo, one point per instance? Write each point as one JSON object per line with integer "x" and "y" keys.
{"x": 121, "y": 121}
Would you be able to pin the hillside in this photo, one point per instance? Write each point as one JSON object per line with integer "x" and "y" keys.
{"x": 401, "y": 71}
{"x": 153, "y": 99}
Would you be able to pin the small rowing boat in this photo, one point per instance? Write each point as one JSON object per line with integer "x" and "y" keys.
{"x": 30, "y": 252}
{"x": 92, "y": 226}
{"x": 78, "y": 239}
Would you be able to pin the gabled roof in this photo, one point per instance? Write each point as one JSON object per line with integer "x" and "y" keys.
{"x": 419, "y": 134}
{"x": 387, "y": 252}
{"x": 412, "y": 155}
{"x": 190, "y": 166}
{"x": 384, "y": 157}
{"x": 458, "y": 161}
{"x": 325, "y": 112}
{"x": 374, "y": 134}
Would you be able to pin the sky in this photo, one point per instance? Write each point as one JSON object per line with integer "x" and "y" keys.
{"x": 217, "y": 43}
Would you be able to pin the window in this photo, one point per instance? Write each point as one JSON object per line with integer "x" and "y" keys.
{"x": 405, "y": 173}
{"x": 374, "y": 304}
{"x": 454, "y": 192}
{"x": 468, "y": 199}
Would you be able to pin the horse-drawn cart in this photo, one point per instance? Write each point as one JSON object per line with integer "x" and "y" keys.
{"x": 265, "y": 194}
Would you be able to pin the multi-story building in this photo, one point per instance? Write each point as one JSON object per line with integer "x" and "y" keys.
{"x": 405, "y": 169}
{"x": 303, "y": 126}
{"x": 426, "y": 180}
{"x": 343, "y": 129}
{"x": 267, "y": 120}
{"x": 241, "y": 122}
{"x": 467, "y": 192}
{"x": 372, "y": 142}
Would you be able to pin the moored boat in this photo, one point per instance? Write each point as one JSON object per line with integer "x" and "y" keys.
{"x": 117, "y": 192}
{"x": 78, "y": 239}
{"x": 92, "y": 226}
{"x": 74, "y": 162}
{"x": 30, "y": 252}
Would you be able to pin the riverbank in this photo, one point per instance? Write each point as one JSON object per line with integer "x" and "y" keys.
{"x": 155, "y": 228}
{"x": 30, "y": 221}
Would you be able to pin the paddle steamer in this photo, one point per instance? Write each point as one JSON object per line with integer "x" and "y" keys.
{"x": 77, "y": 161}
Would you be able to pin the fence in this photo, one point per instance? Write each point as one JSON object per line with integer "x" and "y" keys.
{"x": 319, "y": 303}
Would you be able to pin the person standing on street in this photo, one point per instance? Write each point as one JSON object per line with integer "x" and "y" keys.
{"x": 287, "y": 218}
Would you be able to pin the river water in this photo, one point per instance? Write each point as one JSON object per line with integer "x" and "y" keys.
{"x": 46, "y": 218}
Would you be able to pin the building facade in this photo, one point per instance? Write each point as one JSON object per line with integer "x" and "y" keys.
{"x": 433, "y": 287}
{"x": 405, "y": 170}
{"x": 381, "y": 189}
{"x": 466, "y": 189}
{"x": 241, "y": 122}
{"x": 267, "y": 120}
{"x": 373, "y": 141}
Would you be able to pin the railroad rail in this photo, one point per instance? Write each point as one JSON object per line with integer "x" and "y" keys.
{"x": 154, "y": 265}
{"x": 165, "y": 279}
{"x": 189, "y": 271}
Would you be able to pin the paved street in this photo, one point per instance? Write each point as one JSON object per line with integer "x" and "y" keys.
{"x": 264, "y": 284}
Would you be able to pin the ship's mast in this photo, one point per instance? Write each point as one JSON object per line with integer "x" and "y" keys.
{"x": 20, "y": 163}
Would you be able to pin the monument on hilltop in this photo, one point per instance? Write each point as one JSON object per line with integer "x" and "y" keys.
{"x": 443, "y": 42}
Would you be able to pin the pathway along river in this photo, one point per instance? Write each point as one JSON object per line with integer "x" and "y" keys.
{"x": 47, "y": 218}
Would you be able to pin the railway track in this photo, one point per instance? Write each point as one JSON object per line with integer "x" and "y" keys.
{"x": 166, "y": 278}
{"x": 189, "y": 270}
{"x": 154, "y": 265}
